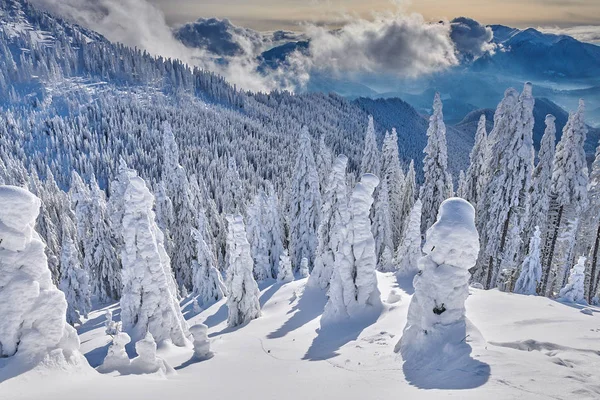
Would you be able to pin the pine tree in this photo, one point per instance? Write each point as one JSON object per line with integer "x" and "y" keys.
{"x": 476, "y": 175}
{"x": 324, "y": 162}
{"x": 74, "y": 283}
{"x": 334, "y": 215}
{"x": 233, "y": 198}
{"x": 242, "y": 290}
{"x": 589, "y": 235}
{"x": 462, "y": 185}
{"x": 285, "y": 273}
{"x": 371, "y": 159}
{"x": 438, "y": 182}
{"x": 541, "y": 181}
{"x": 409, "y": 252}
{"x": 505, "y": 201}
{"x": 394, "y": 178}
{"x": 531, "y": 268}
{"x": 149, "y": 298}
{"x": 305, "y": 204}
{"x": 409, "y": 192}
{"x": 353, "y": 285}
{"x": 573, "y": 292}
{"x": 207, "y": 283}
{"x": 567, "y": 200}
{"x": 382, "y": 227}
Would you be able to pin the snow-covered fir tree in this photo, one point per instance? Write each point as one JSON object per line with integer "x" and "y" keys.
{"x": 409, "y": 252}
{"x": 324, "y": 162}
{"x": 568, "y": 199}
{"x": 165, "y": 219}
{"x": 409, "y": 194}
{"x": 242, "y": 290}
{"x": 304, "y": 204}
{"x": 531, "y": 268}
{"x": 436, "y": 315}
{"x": 504, "y": 204}
{"x": 573, "y": 291}
{"x": 184, "y": 211}
{"x": 285, "y": 273}
{"x": 476, "y": 175}
{"x": 382, "y": 227}
{"x": 334, "y": 214}
{"x": 34, "y": 326}
{"x": 589, "y": 234}
{"x": 541, "y": 180}
{"x": 353, "y": 288}
{"x": 371, "y": 159}
{"x": 207, "y": 283}
{"x": 149, "y": 297}
{"x": 394, "y": 177}
{"x": 461, "y": 191}
{"x": 232, "y": 200}
{"x": 438, "y": 181}
{"x": 74, "y": 283}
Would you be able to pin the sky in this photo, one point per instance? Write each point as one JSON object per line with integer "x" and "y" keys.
{"x": 287, "y": 14}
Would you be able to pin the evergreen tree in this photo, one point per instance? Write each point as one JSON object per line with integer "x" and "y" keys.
{"x": 409, "y": 192}
{"x": 353, "y": 285}
{"x": 382, "y": 227}
{"x": 242, "y": 290}
{"x": 149, "y": 299}
{"x": 531, "y": 268}
{"x": 567, "y": 200}
{"x": 462, "y": 185}
{"x": 74, "y": 283}
{"x": 305, "y": 204}
{"x": 334, "y": 216}
{"x": 324, "y": 161}
{"x": 573, "y": 291}
{"x": 285, "y": 273}
{"x": 438, "y": 182}
{"x": 505, "y": 201}
{"x": 476, "y": 173}
{"x": 589, "y": 235}
{"x": 394, "y": 177}
{"x": 371, "y": 160}
{"x": 409, "y": 252}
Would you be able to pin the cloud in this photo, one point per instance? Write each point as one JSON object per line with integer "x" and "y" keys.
{"x": 400, "y": 44}
{"x": 583, "y": 33}
{"x": 471, "y": 38}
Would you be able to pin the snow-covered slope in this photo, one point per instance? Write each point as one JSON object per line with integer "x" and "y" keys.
{"x": 539, "y": 349}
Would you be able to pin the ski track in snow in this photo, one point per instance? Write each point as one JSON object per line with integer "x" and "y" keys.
{"x": 540, "y": 349}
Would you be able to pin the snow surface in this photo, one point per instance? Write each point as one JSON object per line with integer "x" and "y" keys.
{"x": 539, "y": 349}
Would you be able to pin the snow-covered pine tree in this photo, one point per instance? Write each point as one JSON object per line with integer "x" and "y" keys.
{"x": 333, "y": 217}
{"x": 589, "y": 235}
{"x": 531, "y": 268}
{"x": 285, "y": 273}
{"x": 34, "y": 327}
{"x": 184, "y": 211}
{"x": 324, "y": 161}
{"x": 394, "y": 177}
{"x": 505, "y": 201}
{"x": 232, "y": 200}
{"x": 382, "y": 228}
{"x": 207, "y": 283}
{"x": 353, "y": 288}
{"x": 409, "y": 252}
{"x": 74, "y": 283}
{"x": 165, "y": 219}
{"x": 80, "y": 202}
{"x": 461, "y": 191}
{"x": 409, "y": 192}
{"x": 371, "y": 159}
{"x": 304, "y": 204}
{"x": 242, "y": 290}
{"x": 438, "y": 181}
{"x": 149, "y": 297}
{"x": 567, "y": 201}
{"x": 573, "y": 291}
{"x": 436, "y": 315}
{"x": 476, "y": 175}
{"x": 541, "y": 181}
{"x": 102, "y": 257}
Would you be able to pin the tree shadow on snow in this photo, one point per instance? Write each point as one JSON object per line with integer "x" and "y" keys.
{"x": 97, "y": 322}
{"x": 218, "y": 317}
{"x": 583, "y": 307}
{"x": 405, "y": 282}
{"x": 191, "y": 361}
{"x": 95, "y": 357}
{"x": 310, "y": 306}
{"x": 332, "y": 337}
{"x": 448, "y": 366}
{"x": 267, "y": 294}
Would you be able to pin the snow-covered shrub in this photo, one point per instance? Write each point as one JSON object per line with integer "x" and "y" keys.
{"x": 147, "y": 362}
{"x": 33, "y": 326}
{"x": 436, "y": 315}
{"x": 573, "y": 291}
{"x": 116, "y": 359}
{"x": 531, "y": 268}
{"x": 201, "y": 342}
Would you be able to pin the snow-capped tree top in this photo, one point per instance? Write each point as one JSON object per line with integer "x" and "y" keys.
{"x": 371, "y": 162}
{"x": 17, "y": 217}
{"x": 453, "y": 239}
{"x": 170, "y": 148}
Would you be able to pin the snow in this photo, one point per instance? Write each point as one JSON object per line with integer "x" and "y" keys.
{"x": 540, "y": 349}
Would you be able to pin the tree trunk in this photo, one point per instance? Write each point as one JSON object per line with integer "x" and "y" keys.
{"x": 593, "y": 283}
{"x": 500, "y": 251}
{"x": 551, "y": 253}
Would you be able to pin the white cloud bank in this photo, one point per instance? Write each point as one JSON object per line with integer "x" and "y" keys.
{"x": 584, "y": 33}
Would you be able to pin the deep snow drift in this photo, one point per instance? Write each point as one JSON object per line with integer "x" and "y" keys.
{"x": 539, "y": 349}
